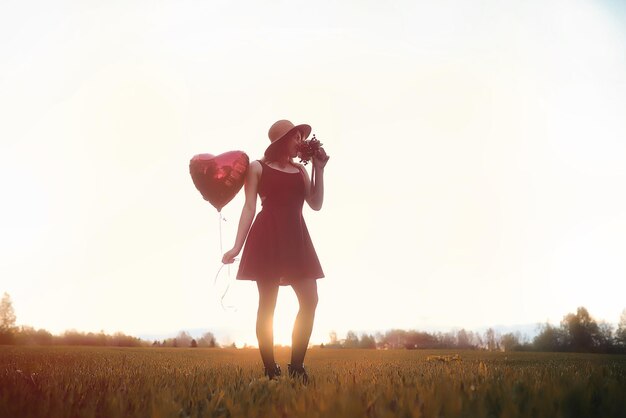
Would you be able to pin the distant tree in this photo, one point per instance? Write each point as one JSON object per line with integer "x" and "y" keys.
{"x": 25, "y": 335}
{"x": 582, "y": 333}
{"x": 620, "y": 334}
{"x": 120, "y": 339}
{"x": 43, "y": 337}
{"x": 29, "y": 336}
{"x": 380, "y": 337}
{"x": 395, "y": 338}
{"x": 352, "y": 340}
{"x": 447, "y": 339}
{"x": 606, "y": 341}
{"x": 103, "y": 339}
{"x": 491, "y": 340}
{"x": 7, "y": 320}
{"x": 417, "y": 339}
{"x": 367, "y": 341}
{"x": 73, "y": 337}
{"x": 193, "y": 344}
{"x": 476, "y": 339}
{"x": 207, "y": 340}
{"x": 463, "y": 339}
{"x": 549, "y": 339}
{"x": 183, "y": 339}
{"x": 510, "y": 342}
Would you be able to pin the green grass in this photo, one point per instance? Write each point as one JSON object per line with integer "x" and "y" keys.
{"x": 161, "y": 382}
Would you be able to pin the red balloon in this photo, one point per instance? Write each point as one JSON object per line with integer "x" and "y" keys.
{"x": 219, "y": 178}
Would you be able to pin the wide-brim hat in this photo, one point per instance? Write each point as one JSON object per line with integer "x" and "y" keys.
{"x": 283, "y": 129}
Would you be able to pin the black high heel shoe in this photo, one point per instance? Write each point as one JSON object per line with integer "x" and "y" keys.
{"x": 273, "y": 373}
{"x": 298, "y": 372}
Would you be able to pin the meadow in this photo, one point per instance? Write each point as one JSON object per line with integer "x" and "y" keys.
{"x": 195, "y": 382}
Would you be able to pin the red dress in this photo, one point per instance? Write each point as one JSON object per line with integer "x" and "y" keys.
{"x": 278, "y": 246}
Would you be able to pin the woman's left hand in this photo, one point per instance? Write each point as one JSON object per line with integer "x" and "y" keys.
{"x": 320, "y": 159}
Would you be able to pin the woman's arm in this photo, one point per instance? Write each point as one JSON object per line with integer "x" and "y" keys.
{"x": 315, "y": 189}
{"x": 247, "y": 213}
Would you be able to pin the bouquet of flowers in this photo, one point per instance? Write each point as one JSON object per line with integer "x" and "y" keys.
{"x": 308, "y": 148}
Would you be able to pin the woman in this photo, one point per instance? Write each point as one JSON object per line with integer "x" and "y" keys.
{"x": 278, "y": 249}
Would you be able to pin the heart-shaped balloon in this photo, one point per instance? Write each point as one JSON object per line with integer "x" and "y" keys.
{"x": 219, "y": 178}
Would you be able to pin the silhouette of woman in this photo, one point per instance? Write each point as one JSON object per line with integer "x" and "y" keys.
{"x": 278, "y": 249}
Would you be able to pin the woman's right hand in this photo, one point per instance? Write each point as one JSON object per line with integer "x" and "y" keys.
{"x": 229, "y": 256}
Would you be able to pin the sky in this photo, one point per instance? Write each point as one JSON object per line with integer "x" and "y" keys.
{"x": 478, "y": 160}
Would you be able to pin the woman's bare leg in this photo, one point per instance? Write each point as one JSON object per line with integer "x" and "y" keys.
{"x": 306, "y": 291}
{"x": 268, "y": 293}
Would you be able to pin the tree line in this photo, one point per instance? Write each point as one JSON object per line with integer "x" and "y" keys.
{"x": 11, "y": 334}
{"x": 577, "y": 332}
{"x": 184, "y": 339}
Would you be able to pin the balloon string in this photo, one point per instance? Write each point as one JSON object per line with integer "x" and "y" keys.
{"x": 228, "y": 307}
{"x": 220, "y": 222}
{"x": 224, "y": 307}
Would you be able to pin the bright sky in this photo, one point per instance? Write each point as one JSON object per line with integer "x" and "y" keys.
{"x": 477, "y": 172}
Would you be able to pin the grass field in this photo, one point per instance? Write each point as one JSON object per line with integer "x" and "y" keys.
{"x": 160, "y": 382}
